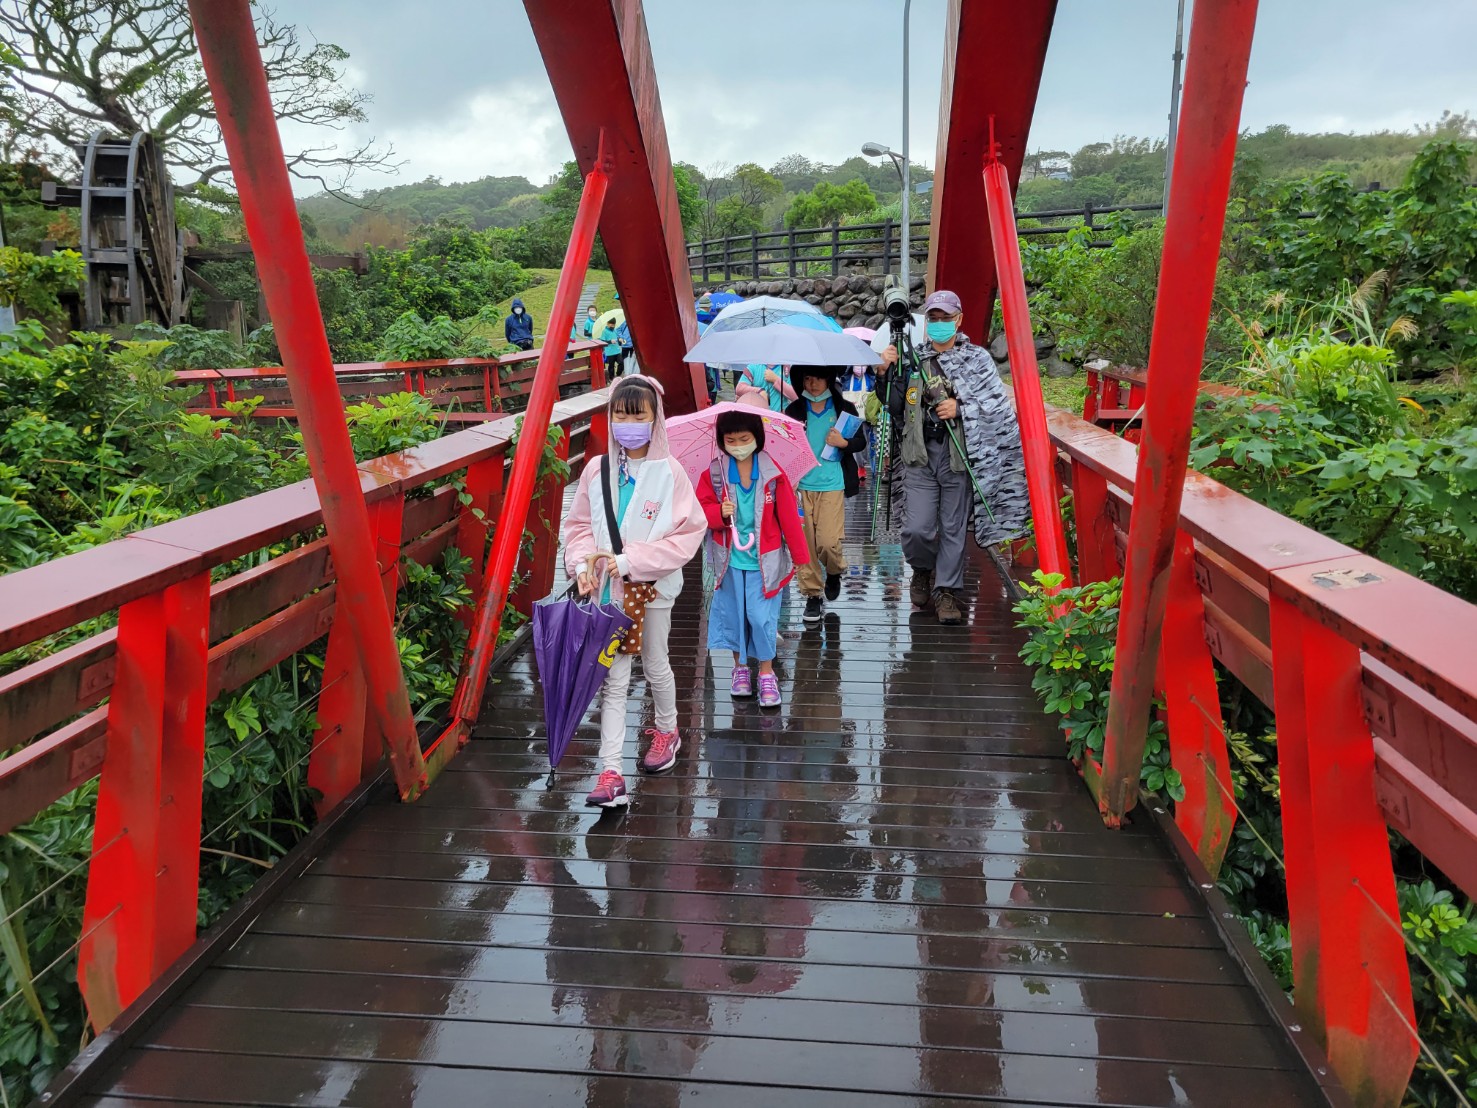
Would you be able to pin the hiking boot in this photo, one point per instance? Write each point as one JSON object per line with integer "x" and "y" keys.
{"x": 769, "y": 690}
{"x": 661, "y": 755}
{"x": 920, "y": 589}
{"x": 742, "y": 685}
{"x": 814, "y": 609}
{"x": 833, "y": 586}
{"x": 946, "y": 606}
{"x": 609, "y": 792}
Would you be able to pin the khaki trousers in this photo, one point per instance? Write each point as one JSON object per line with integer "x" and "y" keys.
{"x": 825, "y": 529}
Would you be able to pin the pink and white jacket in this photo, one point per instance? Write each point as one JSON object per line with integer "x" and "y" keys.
{"x": 662, "y": 530}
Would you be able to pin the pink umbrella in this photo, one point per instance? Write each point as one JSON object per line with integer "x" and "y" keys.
{"x": 866, "y": 334}
{"x": 694, "y": 442}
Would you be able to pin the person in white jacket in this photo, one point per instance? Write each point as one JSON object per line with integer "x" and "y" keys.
{"x": 661, "y": 527}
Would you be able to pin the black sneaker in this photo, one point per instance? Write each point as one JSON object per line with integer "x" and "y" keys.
{"x": 833, "y": 586}
{"x": 814, "y": 609}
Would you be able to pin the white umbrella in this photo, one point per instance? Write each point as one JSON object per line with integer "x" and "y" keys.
{"x": 781, "y": 344}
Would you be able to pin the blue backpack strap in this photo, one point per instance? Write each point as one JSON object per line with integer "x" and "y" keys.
{"x": 715, "y": 476}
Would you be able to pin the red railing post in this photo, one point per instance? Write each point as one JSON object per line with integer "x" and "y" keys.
{"x": 348, "y": 742}
{"x": 1030, "y": 405}
{"x": 238, "y": 83}
{"x": 597, "y": 368}
{"x": 475, "y": 522}
{"x": 1215, "y": 79}
{"x": 526, "y": 460}
{"x": 143, "y": 881}
{"x": 1090, "y": 399}
{"x": 543, "y": 532}
{"x": 1097, "y": 550}
{"x": 1351, "y": 982}
{"x": 1197, "y": 738}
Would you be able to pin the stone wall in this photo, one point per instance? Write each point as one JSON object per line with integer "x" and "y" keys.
{"x": 854, "y": 300}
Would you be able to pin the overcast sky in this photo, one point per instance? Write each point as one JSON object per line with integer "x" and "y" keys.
{"x": 460, "y": 91}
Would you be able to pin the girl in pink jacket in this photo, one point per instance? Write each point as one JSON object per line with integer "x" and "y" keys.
{"x": 660, "y": 526}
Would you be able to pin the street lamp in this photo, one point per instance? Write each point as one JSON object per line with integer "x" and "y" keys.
{"x": 900, "y": 163}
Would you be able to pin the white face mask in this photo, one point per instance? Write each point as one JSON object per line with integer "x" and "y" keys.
{"x": 742, "y": 452}
{"x": 517, "y": 311}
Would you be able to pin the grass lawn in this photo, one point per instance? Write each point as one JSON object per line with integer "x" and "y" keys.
{"x": 1063, "y": 392}
{"x": 539, "y": 300}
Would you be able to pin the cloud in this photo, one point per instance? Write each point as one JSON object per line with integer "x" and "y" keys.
{"x": 460, "y": 90}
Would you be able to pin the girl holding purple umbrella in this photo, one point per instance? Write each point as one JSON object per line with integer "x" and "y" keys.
{"x": 633, "y": 524}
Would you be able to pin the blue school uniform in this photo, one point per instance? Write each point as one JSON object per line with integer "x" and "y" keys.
{"x": 827, "y": 476}
{"x": 741, "y": 618}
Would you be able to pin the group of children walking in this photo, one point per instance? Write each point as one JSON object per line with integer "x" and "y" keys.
{"x": 636, "y": 517}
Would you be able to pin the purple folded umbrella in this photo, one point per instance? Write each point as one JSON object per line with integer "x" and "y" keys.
{"x": 574, "y": 642}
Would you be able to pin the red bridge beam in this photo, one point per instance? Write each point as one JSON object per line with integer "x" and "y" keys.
{"x": 599, "y": 60}
{"x": 238, "y": 85}
{"x": 993, "y": 54}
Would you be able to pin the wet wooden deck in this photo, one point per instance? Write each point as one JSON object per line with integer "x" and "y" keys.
{"x": 894, "y": 891}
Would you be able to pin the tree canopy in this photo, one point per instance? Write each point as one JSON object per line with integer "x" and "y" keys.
{"x": 73, "y": 67}
{"x": 827, "y": 204}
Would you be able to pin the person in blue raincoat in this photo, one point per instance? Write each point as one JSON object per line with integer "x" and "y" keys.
{"x": 518, "y": 327}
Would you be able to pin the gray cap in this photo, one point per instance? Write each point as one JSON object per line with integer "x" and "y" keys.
{"x": 943, "y": 301}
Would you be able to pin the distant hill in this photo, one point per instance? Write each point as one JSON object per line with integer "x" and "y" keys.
{"x": 1131, "y": 170}
{"x": 1124, "y": 171}
{"x": 383, "y": 217}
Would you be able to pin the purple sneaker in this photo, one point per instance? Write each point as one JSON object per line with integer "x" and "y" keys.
{"x": 609, "y": 792}
{"x": 769, "y": 690}
{"x": 661, "y": 755}
{"x": 743, "y": 683}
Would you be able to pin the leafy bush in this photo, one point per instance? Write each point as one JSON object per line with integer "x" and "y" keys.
{"x": 1072, "y": 640}
{"x": 1421, "y": 237}
{"x": 411, "y": 339}
{"x": 32, "y": 282}
{"x": 96, "y": 445}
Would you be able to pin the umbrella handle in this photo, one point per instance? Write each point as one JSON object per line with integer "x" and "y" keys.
{"x": 733, "y": 523}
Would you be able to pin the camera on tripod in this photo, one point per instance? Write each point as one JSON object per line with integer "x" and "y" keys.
{"x": 896, "y": 307}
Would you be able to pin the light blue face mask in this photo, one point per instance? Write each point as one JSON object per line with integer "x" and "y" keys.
{"x": 817, "y": 397}
{"x": 942, "y": 331}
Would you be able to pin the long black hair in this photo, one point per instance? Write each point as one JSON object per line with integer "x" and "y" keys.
{"x": 734, "y": 422}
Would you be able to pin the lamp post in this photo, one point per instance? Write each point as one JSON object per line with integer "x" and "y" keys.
{"x": 877, "y": 150}
{"x": 1174, "y": 102}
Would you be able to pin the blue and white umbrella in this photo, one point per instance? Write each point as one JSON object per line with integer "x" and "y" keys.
{"x": 761, "y": 311}
{"x": 780, "y": 344}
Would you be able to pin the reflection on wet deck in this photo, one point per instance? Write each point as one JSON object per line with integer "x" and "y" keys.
{"x": 894, "y": 891}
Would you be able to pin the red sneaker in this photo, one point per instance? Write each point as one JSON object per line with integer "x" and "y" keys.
{"x": 661, "y": 755}
{"x": 609, "y": 792}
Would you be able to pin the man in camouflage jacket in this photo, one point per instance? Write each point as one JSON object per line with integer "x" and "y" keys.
{"x": 953, "y": 399}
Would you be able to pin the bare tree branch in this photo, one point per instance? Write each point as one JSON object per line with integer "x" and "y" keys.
{"x": 132, "y": 65}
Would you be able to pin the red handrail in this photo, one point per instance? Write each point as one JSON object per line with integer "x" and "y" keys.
{"x": 1374, "y": 686}
{"x": 482, "y": 391}
{"x": 79, "y": 711}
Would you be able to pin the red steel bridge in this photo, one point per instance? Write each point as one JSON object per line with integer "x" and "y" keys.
{"x": 897, "y": 892}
